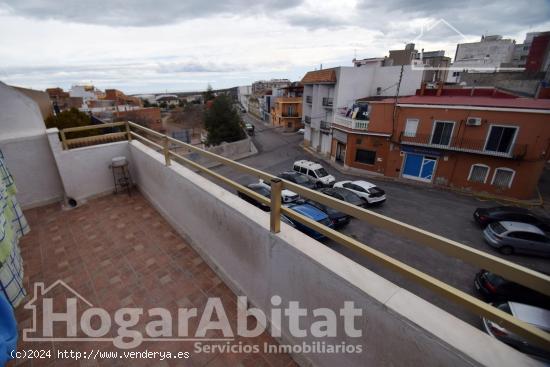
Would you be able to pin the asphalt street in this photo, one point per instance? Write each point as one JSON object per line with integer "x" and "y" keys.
{"x": 439, "y": 211}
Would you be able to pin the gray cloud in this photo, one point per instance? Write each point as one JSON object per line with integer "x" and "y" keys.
{"x": 470, "y": 17}
{"x": 142, "y": 13}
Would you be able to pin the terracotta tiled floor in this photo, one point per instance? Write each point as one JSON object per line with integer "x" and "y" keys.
{"x": 117, "y": 251}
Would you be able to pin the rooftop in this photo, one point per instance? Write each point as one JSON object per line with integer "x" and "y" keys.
{"x": 521, "y": 103}
{"x": 117, "y": 251}
{"x": 320, "y": 76}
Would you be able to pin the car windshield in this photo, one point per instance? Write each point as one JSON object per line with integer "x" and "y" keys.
{"x": 498, "y": 228}
{"x": 494, "y": 279}
{"x": 321, "y": 172}
{"x": 374, "y": 190}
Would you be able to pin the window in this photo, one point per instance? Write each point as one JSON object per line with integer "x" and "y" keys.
{"x": 500, "y": 138}
{"x": 365, "y": 156}
{"x": 503, "y": 177}
{"x": 442, "y": 132}
{"x": 456, "y": 73}
{"x": 311, "y": 173}
{"x": 410, "y": 127}
{"x": 478, "y": 173}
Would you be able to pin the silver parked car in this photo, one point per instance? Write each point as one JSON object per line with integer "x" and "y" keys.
{"x": 511, "y": 237}
{"x": 538, "y": 317}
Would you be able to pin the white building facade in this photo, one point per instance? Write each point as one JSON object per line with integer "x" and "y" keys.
{"x": 327, "y": 91}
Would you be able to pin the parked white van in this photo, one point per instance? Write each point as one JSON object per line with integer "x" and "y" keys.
{"x": 314, "y": 171}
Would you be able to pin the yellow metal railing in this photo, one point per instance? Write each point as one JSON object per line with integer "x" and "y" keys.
{"x": 511, "y": 271}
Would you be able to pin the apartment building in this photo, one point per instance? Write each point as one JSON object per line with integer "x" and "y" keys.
{"x": 479, "y": 140}
{"x": 327, "y": 91}
{"x": 287, "y": 109}
{"x": 263, "y": 85}
{"x": 490, "y": 52}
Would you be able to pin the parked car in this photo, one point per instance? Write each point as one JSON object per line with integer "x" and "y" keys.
{"x": 313, "y": 213}
{"x": 494, "y": 288}
{"x": 511, "y": 237}
{"x": 365, "y": 190}
{"x": 338, "y": 219}
{"x": 260, "y": 189}
{"x": 301, "y": 131}
{"x": 298, "y": 179}
{"x": 287, "y": 196}
{"x": 484, "y": 216}
{"x": 314, "y": 171}
{"x": 344, "y": 195}
{"x": 249, "y": 128}
{"x": 533, "y": 315}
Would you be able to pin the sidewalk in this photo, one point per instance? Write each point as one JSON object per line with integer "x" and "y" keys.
{"x": 364, "y": 174}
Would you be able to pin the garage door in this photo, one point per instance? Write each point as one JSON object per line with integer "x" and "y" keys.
{"x": 419, "y": 167}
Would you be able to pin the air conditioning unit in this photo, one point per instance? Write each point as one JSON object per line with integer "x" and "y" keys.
{"x": 473, "y": 121}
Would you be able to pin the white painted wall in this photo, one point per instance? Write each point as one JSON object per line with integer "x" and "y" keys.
{"x": 399, "y": 328}
{"x": 31, "y": 162}
{"x": 26, "y": 150}
{"x": 85, "y": 171}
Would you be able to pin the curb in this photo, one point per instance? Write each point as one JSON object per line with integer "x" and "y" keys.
{"x": 538, "y": 202}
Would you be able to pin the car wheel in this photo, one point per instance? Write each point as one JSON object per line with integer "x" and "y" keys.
{"x": 506, "y": 250}
{"x": 318, "y": 185}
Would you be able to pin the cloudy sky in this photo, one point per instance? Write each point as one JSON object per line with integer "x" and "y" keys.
{"x": 156, "y": 45}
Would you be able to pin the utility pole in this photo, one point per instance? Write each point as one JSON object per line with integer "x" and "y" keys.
{"x": 395, "y": 102}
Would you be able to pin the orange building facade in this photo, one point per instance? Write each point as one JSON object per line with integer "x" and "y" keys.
{"x": 149, "y": 117}
{"x": 287, "y": 113}
{"x": 478, "y": 144}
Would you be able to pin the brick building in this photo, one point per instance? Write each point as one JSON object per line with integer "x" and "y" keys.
{"x": 477, "y": 140}
{"x": 149, "y": 117}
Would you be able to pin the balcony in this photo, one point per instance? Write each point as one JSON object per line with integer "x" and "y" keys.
{"x": 351, "y": 123}
{"x": 185, "y": 237}
{"x": 309, "y": 99}
{"x": 291, "y": 115}
{"x": 307, "y": 120}
{"x": 324, "y": 126}
{"x": 475, "y": 146}
{"x": 327, "y": 102}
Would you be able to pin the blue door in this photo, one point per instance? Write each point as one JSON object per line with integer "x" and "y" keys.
{"x": 419, "y": 167}
{"x": 428, "y": 165}
{"x": 413, "y": 165}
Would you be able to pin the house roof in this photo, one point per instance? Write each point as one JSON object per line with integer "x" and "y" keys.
{"x": 320, "y": 76}
{"x": 518, "y": 103}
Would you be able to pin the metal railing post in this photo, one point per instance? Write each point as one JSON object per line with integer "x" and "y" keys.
{"x": 63, "y": 140}
{"x": 275, "y": 219}
{"x": 166, "y": 150}
{"x": 128, "y": 131}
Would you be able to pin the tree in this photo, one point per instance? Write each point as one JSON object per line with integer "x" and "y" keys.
{"x": 209, "y": 94}
{"x": 222, "y": 122}
{"x": 146, "y": 103}
{"x": 71, "y": 118}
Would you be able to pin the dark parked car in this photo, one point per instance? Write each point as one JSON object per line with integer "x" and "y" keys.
{"x": 260, "y": 189}
{"x": 298, "y": 179}
{"x": 337, "y": 218}
{"x": 312, "y": 213}
{"x": 484, "y": 216}
{"x": 494, "y": 288}
{"x": 344, "y": 195}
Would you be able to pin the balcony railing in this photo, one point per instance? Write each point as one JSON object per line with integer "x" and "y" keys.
{"x": 327, "y": 102}
{"x": 292, "y": 115}
{"x": 513, "y": 272}
{"x": 309, "y": 99}
{"x": 307, "y": 119}
{"x": 351, "y": 123}
{"x": 324, "y": 126}
{"x": 477, "y": 146}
